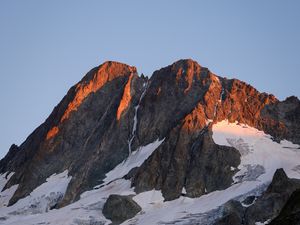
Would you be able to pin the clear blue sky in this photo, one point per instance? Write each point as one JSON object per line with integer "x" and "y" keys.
{"x": 47, "y": 46}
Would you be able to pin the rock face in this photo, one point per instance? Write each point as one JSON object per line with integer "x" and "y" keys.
{"x": 112, "y": 111}
{"x": 196, "y": 164}
{"x": 290, "y": 214}
{"x": 267, "y": 206}
{"x": 233, "y": 214}
{"x": 119, "y": 208}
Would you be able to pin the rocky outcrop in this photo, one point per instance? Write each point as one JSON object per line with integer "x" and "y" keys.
{"x": 119, "y": 208}
{"x": 233, "y": 214}
{"x": 269, "y": 205}
{"x": 112, "y": 111}
{"x": 288, "y": 113}
{"x": 195, "y": 163}
{"x": 278, "y": 197}
{"x": 290, "y": 214}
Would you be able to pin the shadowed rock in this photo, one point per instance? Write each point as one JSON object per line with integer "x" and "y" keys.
{"x": 119, "y": 208}
{"x": 268, "y": 205}
{"x": 290, "y": 214}
{"x": 271, "y": 202}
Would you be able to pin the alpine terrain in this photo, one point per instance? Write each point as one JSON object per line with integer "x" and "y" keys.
{"x": 184, "y": 146}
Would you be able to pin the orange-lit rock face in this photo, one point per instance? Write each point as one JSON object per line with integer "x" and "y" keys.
{"x": 212, "y": 96}
{"x": 158, "y": 91}
{"x": 125, "y": 99}
{"x": 191, "y": 70}
{"x": 106, "y": 72}
{"x": 196, "y": 120}
{"x": 245, "y": 103}
{"x": 52, "y": 132}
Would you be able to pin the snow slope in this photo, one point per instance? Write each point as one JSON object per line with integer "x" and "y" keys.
{"x": 6, "y": 195}
{"x": 41, "y": 199}
{"x": 34, "y": 209}
{"x": 135, "y": 159}
{"x": 260, "y": 157}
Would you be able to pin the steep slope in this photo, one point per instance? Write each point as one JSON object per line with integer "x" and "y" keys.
{"x": 156, "y": 133}
{"x": 86, "y": 133}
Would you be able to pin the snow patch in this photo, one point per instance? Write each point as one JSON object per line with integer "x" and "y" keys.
{"x": 41, "y": 199}
{"x": 260, "y": 155}
{"x": 87, "y": 210}
{"x": 6, "y": 195}
{"x": 4, "y": 178}
{"x": 264, "y": 223}
{"x": 135, "y": 159}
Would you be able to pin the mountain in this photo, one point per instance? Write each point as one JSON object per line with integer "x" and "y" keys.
{"x": 183, "y": 147}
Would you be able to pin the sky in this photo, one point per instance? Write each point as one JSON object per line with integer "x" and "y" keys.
{"x": 48, "y": 46}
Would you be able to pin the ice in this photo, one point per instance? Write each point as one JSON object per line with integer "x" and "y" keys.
{"x": 260, "y": 155}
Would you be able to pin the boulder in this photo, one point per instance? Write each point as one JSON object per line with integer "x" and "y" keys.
{"x": 119, "y": 208}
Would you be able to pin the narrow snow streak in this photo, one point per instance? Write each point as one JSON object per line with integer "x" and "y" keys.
{"x": 135, "y": 120}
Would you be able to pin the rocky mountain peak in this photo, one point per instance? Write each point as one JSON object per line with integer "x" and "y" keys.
{"x": 93, "y": 82}
{"x": 112, "y": 114}
{"x": 106, "y": 72}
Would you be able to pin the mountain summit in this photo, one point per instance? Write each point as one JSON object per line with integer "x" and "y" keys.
{"x": 185, "y": 134}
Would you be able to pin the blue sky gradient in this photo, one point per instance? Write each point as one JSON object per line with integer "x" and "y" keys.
{"x": 47, "y": 46}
